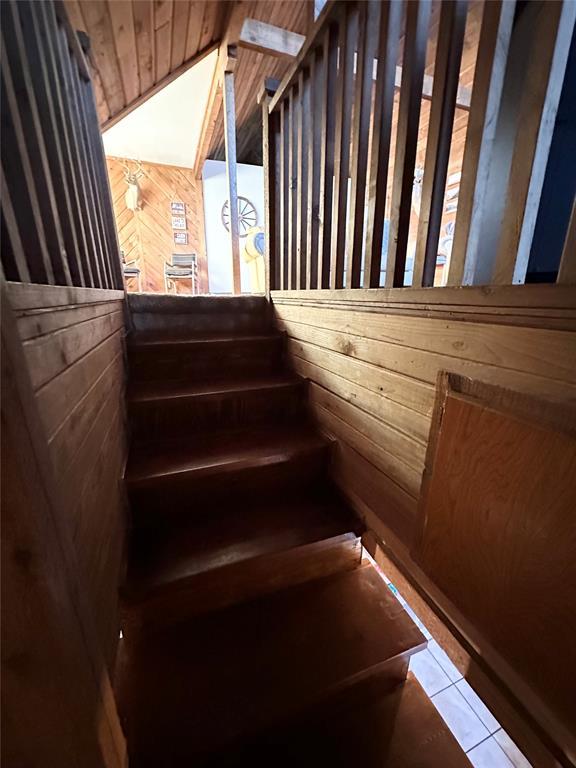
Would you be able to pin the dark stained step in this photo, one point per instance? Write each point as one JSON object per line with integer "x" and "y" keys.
{"x": 370, "y": 728}
{"x": 203, "y": 685}
{"x": 185, "y": 477}
{"x": 198, "y": 314}
{"x": 168, "y": 409}
{"x": 236, "y": 554}
{"x": 195, "y": 358}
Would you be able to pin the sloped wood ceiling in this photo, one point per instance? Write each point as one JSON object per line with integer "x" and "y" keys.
{"x": 135, "y": 44}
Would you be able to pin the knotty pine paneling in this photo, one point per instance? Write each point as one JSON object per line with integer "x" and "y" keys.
{"x": 146, "y": 236}
{"x": 373, "y": 357}
{"x": 73, "y": 340}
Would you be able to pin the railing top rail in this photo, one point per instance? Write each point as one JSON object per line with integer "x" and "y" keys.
{"x": 328, "y": 12}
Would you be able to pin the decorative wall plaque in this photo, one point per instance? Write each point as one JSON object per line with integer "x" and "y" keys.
{"x": 178, "y": 222}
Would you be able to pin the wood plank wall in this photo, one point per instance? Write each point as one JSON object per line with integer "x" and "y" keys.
{"x": 73, "y": 340}
{"x": 373, "y": 357}
{"x": 146, "y": 235}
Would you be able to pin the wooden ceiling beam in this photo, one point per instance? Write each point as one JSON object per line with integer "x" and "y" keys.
{"x": 267, "y": 38}
{"x": 169, "y": 78}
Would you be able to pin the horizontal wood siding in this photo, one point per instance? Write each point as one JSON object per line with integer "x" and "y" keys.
{"x": 373, "y": 364}
{"x": 73, "y": 340}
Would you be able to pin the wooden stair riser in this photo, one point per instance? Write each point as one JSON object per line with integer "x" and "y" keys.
{"x": 240, "y": 582}
{"x": 206, "y": 360}
{"x": 149, "y": 322}
{"x": 172, "y": 417}
{"x": 163, "y": 500}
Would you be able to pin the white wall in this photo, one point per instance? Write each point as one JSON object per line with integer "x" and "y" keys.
{"x": 166, "y": 128}
{"x": 251, "y": 186}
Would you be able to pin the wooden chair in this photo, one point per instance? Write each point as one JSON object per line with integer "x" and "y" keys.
{"x": 184, "y": 266}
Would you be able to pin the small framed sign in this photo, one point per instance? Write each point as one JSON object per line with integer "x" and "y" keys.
{"x": 178, "y": 208}
{"x": 181, "y": 238}
{"x": 178, "y": 222}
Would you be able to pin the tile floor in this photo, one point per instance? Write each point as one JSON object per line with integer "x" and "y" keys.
{"x": 473, "y": 725}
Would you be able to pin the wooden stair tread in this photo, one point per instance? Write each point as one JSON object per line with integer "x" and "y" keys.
{"x": 143, "y": 392}
{"x": 189, "y": 690}
{"x": 157, "y": 339}
{"x": 162, "y": 558}
{"x": 220, "y": 452}
{"x": 396, "y": 729}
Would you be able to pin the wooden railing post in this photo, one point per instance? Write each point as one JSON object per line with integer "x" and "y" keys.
{"x": 270, "y": 159}
{"x": 231, "y": 171}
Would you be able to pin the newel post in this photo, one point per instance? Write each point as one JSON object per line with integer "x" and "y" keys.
{"x": 270, "y": 161}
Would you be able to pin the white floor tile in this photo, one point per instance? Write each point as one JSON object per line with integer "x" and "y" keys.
{"x": 512, "y": 752}
{"x": 418, "y": 623}
{"x": 444, "y": 661}
{"x": 478, "y": 705}
{"x": 464, "y": 723}
{"x": 429, "y": 673}
{"x": 488, "y": 755}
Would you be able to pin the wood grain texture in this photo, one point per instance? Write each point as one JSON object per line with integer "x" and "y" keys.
{"x": 252, "y": 67}
{"x": 374, "y": 366}
{"x": 146, "y": 236}
{"x": 54, "y": 677}
{"x": 136, "y": 44}
{"x": 73, "y": 345}
{"x": 497, "y": 517}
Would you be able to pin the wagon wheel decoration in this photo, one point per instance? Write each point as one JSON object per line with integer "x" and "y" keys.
{"x": 247, "y": 216}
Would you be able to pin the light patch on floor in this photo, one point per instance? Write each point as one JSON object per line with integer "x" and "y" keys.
{"x": 472, "y": 724}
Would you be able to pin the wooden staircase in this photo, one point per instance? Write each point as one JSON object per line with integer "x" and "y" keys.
{"x": 254, "y": 631}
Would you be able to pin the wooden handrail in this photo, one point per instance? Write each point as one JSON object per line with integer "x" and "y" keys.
{"x": 343, "y": 220}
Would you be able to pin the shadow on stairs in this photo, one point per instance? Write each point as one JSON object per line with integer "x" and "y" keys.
{"x": 254, "y": 631}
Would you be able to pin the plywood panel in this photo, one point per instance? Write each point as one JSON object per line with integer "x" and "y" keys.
{"x": 499, "y": 537}
{"x": 146, "y": 236}
{"x": 73, "y": 343}
{"x": 374, "y": 371}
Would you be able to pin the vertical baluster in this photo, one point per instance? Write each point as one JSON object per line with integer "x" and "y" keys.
{"x": 567, "y": 269}
{"x": 497, "y": 21}
{"x": 17, "y": 167}
{"x": 270, "y": 144}
{"x": 13, "y": 257}
{"x": 44, "y": 89}
{"x": 284, "y": 190}
{"x": 70, "y": 75}
{"x": 312, "y": 197}
{"x": 348, "y": 35}
{"x": 293, "y": 267}
{"x": 98, "y": 214}
{"x": 44, "y": 33}
{"x": 303, "y": 137}
{"x": 31, "y": 125}
{"x": 326, "y": 93}
{"x": 69, "y": 130}
{"x": 414, "y": 59}
{"x": 368, "y": 16}
{"x": 444, "y": 92}
{"x": 546, "y": 66}
{"x": 103, "y": 186}
{"x": 388, "y": 37}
